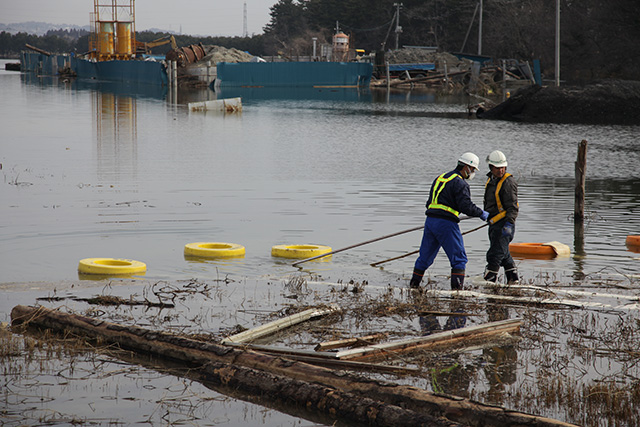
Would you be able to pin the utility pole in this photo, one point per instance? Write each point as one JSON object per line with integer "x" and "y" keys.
{"x": 398, "y": 27}
{"x": 557, "y": 43}
{"x": 480, "y": 29}
{"x": 245, "y": 33}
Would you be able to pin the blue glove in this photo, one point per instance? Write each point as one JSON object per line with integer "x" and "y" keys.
{"x": 484, "y": 216}
{"x": 507, "y": 230}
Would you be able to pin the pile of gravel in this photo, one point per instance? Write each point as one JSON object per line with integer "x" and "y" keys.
{"x": 222, "y": 54}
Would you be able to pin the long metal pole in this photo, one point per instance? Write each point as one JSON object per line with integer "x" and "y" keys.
{"x": 480, "y": 30}
{"x": 415, "y": 252}
{"x": 397, "y": 5}
{"x": 358, "y": 244}
{"x": 473, "y": 18}
{"x": 557, "y": 43}
{"x": 367, "y": 242}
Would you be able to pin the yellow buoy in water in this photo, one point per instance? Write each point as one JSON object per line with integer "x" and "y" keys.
{"x": 111, "y": 266}
{"x": 214, "y": 250}
{"x": 299, "y": 251}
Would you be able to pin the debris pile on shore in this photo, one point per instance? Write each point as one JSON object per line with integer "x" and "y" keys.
{"x": 414, "y": 55}
{"x": 217, "y": 54}
{"x": 602, "y": 102}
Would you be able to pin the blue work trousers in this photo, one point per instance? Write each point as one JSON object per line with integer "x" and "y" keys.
{"x": 439, "y": 232}
{"x": 498, "y": 254}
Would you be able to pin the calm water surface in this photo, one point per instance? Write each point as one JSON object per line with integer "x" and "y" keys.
{"x": 98, "y": 170}
{"x": 89, "y": 172}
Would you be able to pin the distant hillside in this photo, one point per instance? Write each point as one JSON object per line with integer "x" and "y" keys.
{"x": 41, "y": 28}
{"x": 38, "y": 28}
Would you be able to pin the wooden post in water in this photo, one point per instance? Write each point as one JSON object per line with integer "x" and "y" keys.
{"x": 578, "y": 213}
{"x": 388, "y": 75}
{"x": 581, "y": 169}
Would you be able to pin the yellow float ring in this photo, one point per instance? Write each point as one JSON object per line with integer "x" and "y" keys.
{"x": 299, "y": 251}
{"x": 633, "y": 240}
{"x": 531, "y": 249}
{"x": 111, "y": 266}
{"x": 214, "y": 250}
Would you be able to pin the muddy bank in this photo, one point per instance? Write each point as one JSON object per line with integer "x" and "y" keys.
{"x": 603, "y": 102}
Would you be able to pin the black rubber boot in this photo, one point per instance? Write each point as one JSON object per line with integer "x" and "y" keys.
{"x": 511, "y": 274}
{"x": 457, "y": 279}
{"x": 491, "y": 274}
{"x": 416, "y": 279}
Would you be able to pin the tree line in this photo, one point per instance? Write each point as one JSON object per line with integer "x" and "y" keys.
{"x": 599, "y": 38}
{"x": 64, "y": 41}
{"x": 54, "y": 41}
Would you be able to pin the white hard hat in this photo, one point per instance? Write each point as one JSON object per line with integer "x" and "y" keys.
{"x": 497, "y": 159}
{"x": 470, "y": 159}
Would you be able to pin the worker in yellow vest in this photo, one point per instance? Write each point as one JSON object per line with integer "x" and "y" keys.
{"x": 501, "y": 201}
{"x": 449, "y": 196}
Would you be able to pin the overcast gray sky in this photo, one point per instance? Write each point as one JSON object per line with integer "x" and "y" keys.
{"x": 196, "y": 17}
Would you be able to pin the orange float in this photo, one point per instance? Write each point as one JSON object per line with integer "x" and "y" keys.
{"x": 633, "y": 240}
{"x": 536, "y": 250}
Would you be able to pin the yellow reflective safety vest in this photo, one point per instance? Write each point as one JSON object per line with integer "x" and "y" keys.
{"x": 501, "y": 210}
{"x": 438, "y": 186}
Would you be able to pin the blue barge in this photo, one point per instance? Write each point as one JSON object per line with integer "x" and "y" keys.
{"x": 293, "y": 74}
{"x": 130, "y": 71}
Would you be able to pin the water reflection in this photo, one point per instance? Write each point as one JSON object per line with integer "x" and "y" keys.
{"x": 116, "y": 135}
{"x": 116, "y": 88}
{"x": 456, "y": 319}
{"x": 296, "y": 94}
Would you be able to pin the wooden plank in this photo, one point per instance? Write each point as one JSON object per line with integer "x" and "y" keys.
{"x": 348, "y": 342}
{"x": 284, "y": 351}
{"x": 396, "y": 348}
{"x": 571, "y": 293}
{"x": 325, "y": 358}
{"x": 357, "y": 366}
{"x": 280, "y": 324}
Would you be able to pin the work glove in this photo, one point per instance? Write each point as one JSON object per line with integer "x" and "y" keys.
{"x": 507, "y": 230}
{"x": 484, "y": 216}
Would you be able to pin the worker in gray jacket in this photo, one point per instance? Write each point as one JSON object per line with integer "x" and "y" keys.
{"x": 501, "y": 201}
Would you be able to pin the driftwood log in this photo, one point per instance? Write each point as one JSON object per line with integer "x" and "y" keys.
{"x": 381, "y": 403}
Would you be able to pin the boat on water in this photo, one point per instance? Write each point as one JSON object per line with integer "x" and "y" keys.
{"x": 134, "y": 71}
{"x": 293, "y": 74}
{"x": 114, "y": 54}
{"x": 335, "y": 68}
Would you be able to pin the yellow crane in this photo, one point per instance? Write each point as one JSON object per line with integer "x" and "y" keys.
{"x": 145, "y": 47}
